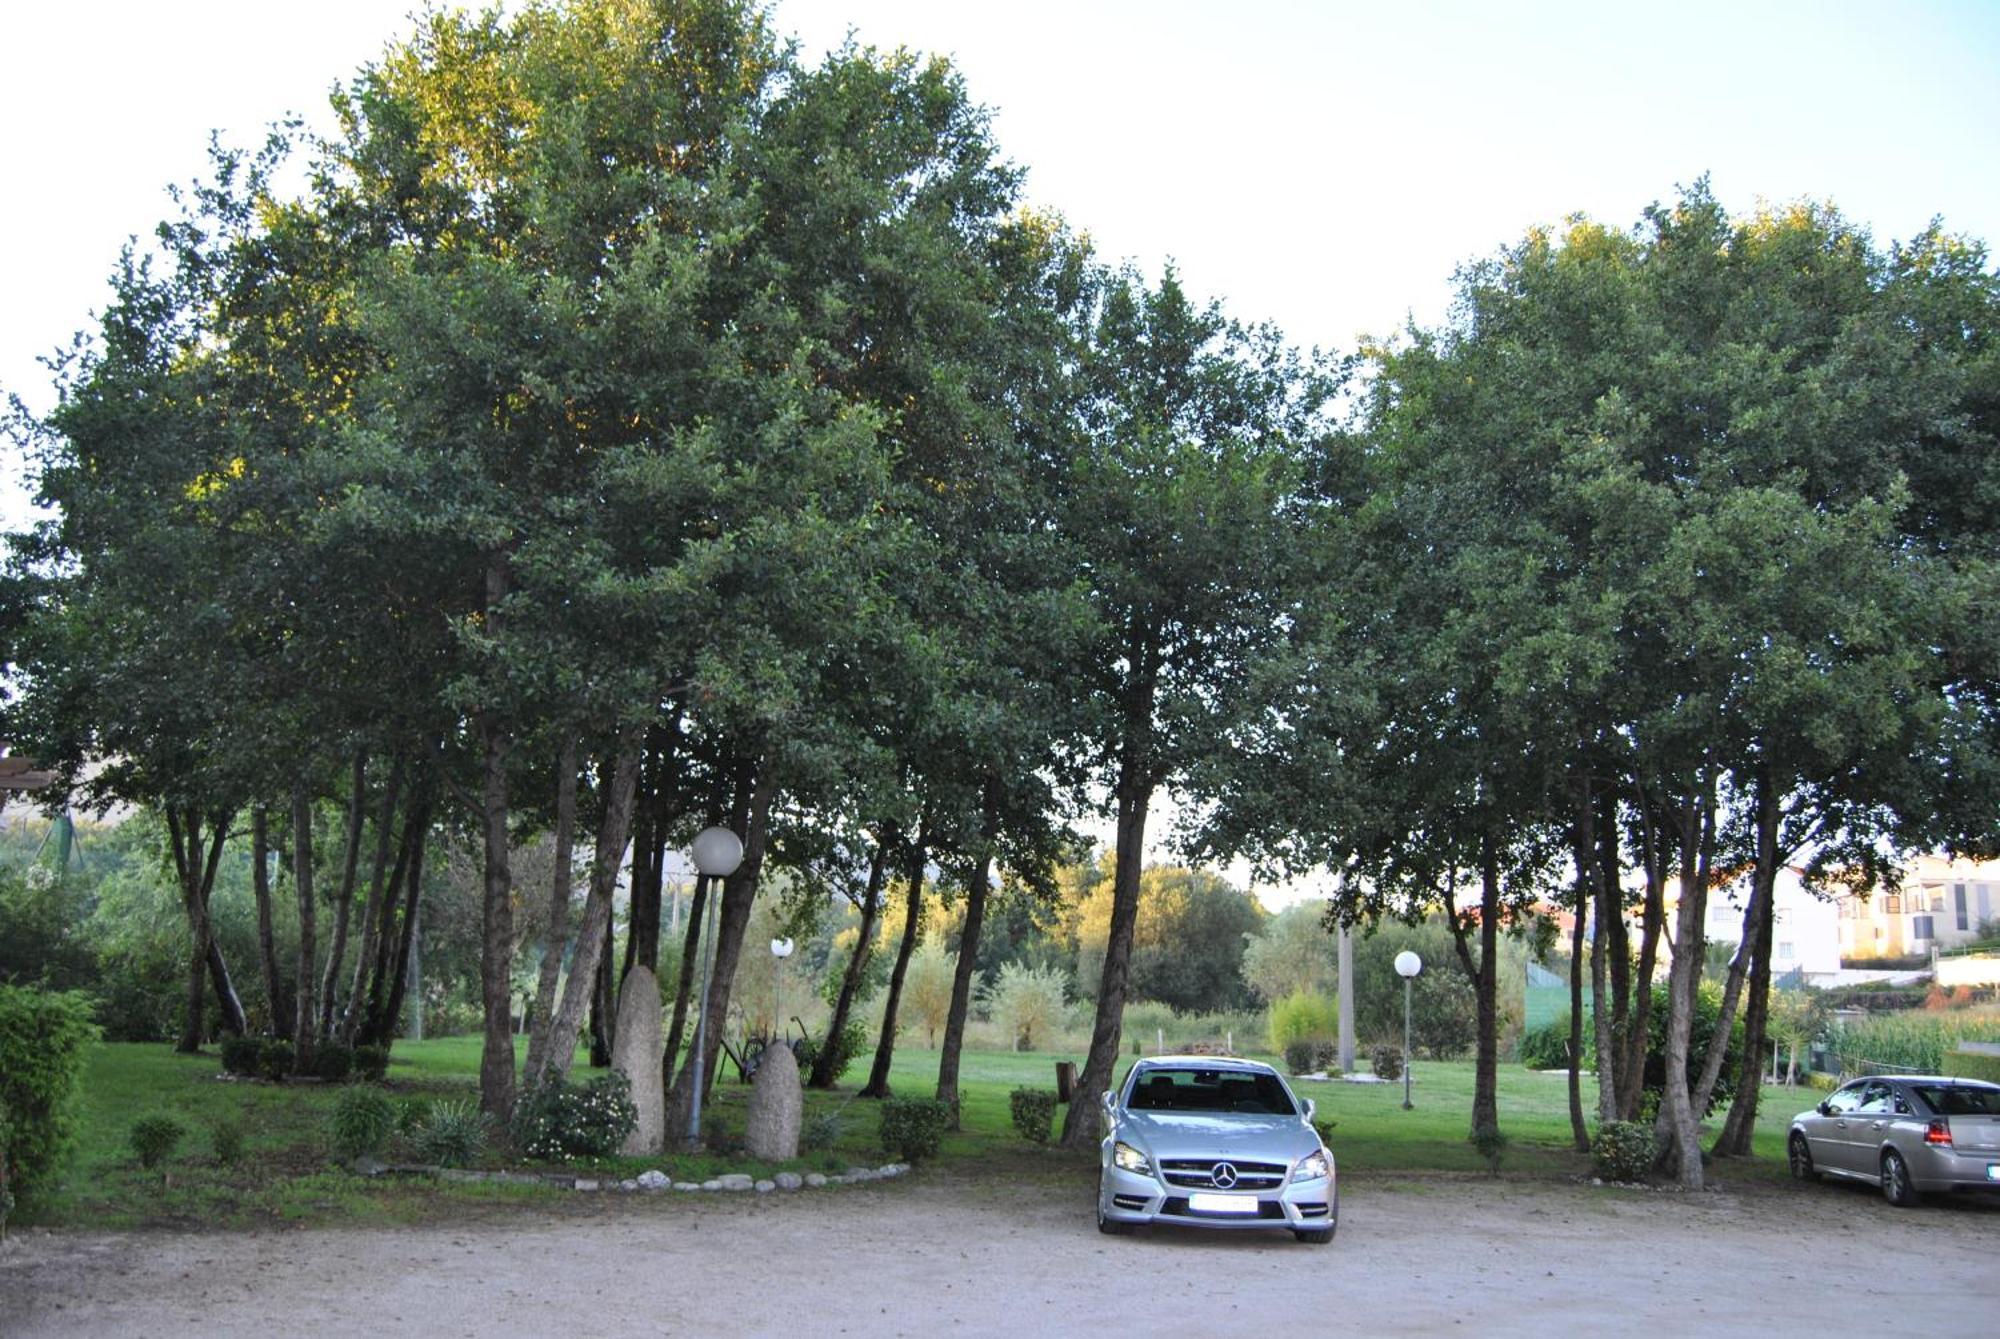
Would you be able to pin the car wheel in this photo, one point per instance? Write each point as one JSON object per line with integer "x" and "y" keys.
{"x": 1111, "y": 1227}
{"x": 1313, "y": 1236}
{"x": 1801, "y": 1159}
{"x": 1896, "y": 1186}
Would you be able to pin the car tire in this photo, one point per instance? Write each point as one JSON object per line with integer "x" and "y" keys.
{"x": 1800, "y": 1155}
{"x": 1111, "y": 1227}
{"x": 1897, "y": 1187}
{"x": 1313, "y": 1236}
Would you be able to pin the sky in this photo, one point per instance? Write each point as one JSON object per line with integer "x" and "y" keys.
{"x": 1323, "y": 166}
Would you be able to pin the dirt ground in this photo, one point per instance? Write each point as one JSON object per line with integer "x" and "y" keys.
{"x": 935, "y": 1255}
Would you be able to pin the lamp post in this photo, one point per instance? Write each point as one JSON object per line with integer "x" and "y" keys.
{"x": 717, "y": 853}
{"x": 781, "y": 949}
{"x": 1408, "y": 964}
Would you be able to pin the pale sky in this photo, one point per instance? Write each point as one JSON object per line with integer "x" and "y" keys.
{"x": 1322, "y": 165}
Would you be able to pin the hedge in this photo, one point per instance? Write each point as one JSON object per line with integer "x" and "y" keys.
{"x": 43, "y": 1037}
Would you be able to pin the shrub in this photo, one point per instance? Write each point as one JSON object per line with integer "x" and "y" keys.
{"x": 274, "y": 1060}
{"x": 1386, "y": 1061}
{"x": 43, "y": 1037}
{"x": 559, "y": 1121}
{"x": 413, "y": 1113}
{"x": 361, "y": 1122}
{"x": 1971, "y": 1065}
{"x": 853, "y": 1040}
{"x": 822, "y": 1131}
{"x": 333, "y": 1062}
{"x": 1299, "y": 1053}
{"x": 1622, "y": 1151}
{"x": 240, "y": 1055}
{"x": 452, "y": 1134}
{"x": 371, "y": 1062}
{"x": 154, "y": 1138}
{"x": 1034, "y": 1111}
{"x": 225, "y": 1139}
{"x": 1303, "y": 1016}
{"x": 1027, "y": 1002}
{"x": 1707, "y": 1012}
{"x": 1547, "y": 1046}
{"x": 913, "y": 1127}
{"x": 1491, "y": 1144}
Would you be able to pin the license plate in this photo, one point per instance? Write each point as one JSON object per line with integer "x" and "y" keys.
{"x": 1203, "y": 1203}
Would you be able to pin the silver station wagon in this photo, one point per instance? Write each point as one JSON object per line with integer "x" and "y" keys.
{"x": 1911, "y": 1135}
{"x": 1204, "y": 1141}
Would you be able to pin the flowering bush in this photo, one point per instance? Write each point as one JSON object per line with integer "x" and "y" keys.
{"x": 558, "y": 1121}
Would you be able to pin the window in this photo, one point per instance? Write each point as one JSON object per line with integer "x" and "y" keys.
{"x": 1958, "y": 896}
{"x": 1921, "y": 927}
{"x": 1937, "y": 901}
{"x": 1875, "y": 1098}
{"x": 1893, "y": 904}
{"x": 1845, "y": 1100}
{"x": 1784, "y": 950}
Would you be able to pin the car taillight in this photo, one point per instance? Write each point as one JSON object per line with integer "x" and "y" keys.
{"x": 1938, "y": 1132}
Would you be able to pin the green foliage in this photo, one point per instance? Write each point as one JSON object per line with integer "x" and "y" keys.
{"x": 452, "y": 1133}
{"x": 226, "y": 1139}
{"x": 276, "y": 1059}
{"x": 413, "y": 1112}
{"x": 1027, "y": 1002}
{"x": 1386, "y": 1061}
{"x": 1707, "y": 1013}
{"x": 1444, "y": 1013}
{"x": 332, "y": 1061}
{"x": 243, "y": 1055}
{"x": 361, "y": 1122}
{"x": 1547, "y": 1047}
{"x": 371, "y": 1062}
{"x": 1971, "y": 1065}
{"x": 1623, "y": 1151}
{"x": 1303, "y": 1016}
{"x": 913, "y": 1128}
{"x": 44, "y": 1039}
{"x": 821, "y": 1131}
{"x": 1491, "y": 1143}
{"x": 853, "y": 1040}
{"x": 154, "y": 1139}
{"x": 1292, "y": 951}
{"x": 1917, "y": 1039}
{"x": 1033, "y": 1111}
{"x": 558, "y": 1121}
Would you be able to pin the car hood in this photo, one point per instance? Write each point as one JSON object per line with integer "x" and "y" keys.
{"x": 1192, "y": 1134}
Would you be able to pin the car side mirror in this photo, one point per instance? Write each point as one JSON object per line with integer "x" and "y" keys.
{"x": 1311, "y": 1107}
{"x": 1826, "y": 1108}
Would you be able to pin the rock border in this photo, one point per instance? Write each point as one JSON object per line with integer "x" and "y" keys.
{"x": 648, "y": 1182}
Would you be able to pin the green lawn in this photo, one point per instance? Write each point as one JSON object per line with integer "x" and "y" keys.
{"x": 287, "y": 1174}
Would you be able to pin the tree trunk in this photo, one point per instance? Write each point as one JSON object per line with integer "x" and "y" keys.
{"x": 1680, "y": 1120}
{"x": 649, "y": 875}
{"x": 1485, "y": 984}
{"x": 1736, "y": 1130}
{"x": 1579, "y": 1131}
{"x": 343, "y": 901}
{"x": 378, "y": 1026}
{"x": 196, "y": 855}
{"x": 592, "y": 951}
{"x": 267, "y": 948}
{"x": 1653, "y": 919}
{"x": 306, "y": 1024}
{"x": 1080, "y": 1121}
{"x": 407, "y": 948}
{"x": 602, "y": 1018}
{"x": 962, "y": 978}
{"x": 496, "y": 945}
{"x": 555, "y": 931}
{"x": 690, "y": 971}
{"x": 850, "y": 979}
{"x": 374, "y": 908}
{"x": 885, "y": 1045}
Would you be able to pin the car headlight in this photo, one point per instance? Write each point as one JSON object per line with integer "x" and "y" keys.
{"x": 1313, "y": 1167}
{"x": 1130, "y": 1158}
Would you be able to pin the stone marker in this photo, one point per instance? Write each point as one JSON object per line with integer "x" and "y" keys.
{"x": 636, "y": 1053}
{"x": 777, "y": 1106}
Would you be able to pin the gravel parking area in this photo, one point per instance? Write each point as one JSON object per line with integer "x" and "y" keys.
{"x": 936, "y": 1254}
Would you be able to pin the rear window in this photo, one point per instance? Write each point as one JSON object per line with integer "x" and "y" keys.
{"x": 1211, "y": 1090}
{"x": 1960, "y": 1099}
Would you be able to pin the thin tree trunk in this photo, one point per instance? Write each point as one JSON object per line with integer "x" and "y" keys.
{"x": 1680, "y": 1119}
{"x": 496, "y": 956}
{"x": 407, "y": 948}
{"x": 343, "y": 901}
{"x": 1653, "y": 919}
{"x": 377, "y": 1022}
{"x": 374, "y": 908}
{"x": 555, "y": 931}
{"x": 690, "y": 970}
{"x": 966, "y": 971}
{"x": 306, "y": 1021}
{"x": 267, "y": 947}
{"x": 1484, "y": 976}
{"x": 1080, "y": 1122}
{"x": 913, "y": 917}
{"x": 1736, "y": 1130}
{"x": 850, "y": 979}
{"x": 1579, "y": 1131}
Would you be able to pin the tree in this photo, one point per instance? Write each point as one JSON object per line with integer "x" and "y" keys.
{"x": 1291, "y": 953}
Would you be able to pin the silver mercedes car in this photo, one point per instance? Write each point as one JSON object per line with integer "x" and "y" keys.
{"x": 1205, "y": 1141}
{"x": 1909, "y": 1134}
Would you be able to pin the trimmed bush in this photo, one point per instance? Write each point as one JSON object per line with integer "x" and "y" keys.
{"x": 822, "y": 1132}
{"x": 1034, "y": 1111}
{"x": 242, "y": 1055}
{"x": 560, "y": 1122}
{"x": 225, "y": 1140}
{"x": 333, "y": 1062}
{"x": 371, "y": 1062}
{"x": 1622, "y": 1151}
{"x": 1387, "y": 1062}
{"x": 1971, "y": 1065}
{"x": 43, "y": 1038}
{"x": 452, "y": 1134}
{"x": 913, "y": 1127}
{"x": 275, "y": 1059}
{"x": 154, "y": 1139}
{"x": 1303, "y": 1016}
{"x": 361, "y": 1122}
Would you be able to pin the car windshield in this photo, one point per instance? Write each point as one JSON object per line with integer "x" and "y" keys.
{"x": 1960, "y": 1100}
{"x": 1192, "y": 1089}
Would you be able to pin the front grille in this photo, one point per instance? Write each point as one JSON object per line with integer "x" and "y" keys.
{"x": 1177, "y": 1207}
{"x": 1199, "y": 1174}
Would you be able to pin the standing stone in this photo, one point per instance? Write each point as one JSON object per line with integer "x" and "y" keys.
{"x": 777, "y": 1106}
{"x": 635, "y": 1053}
